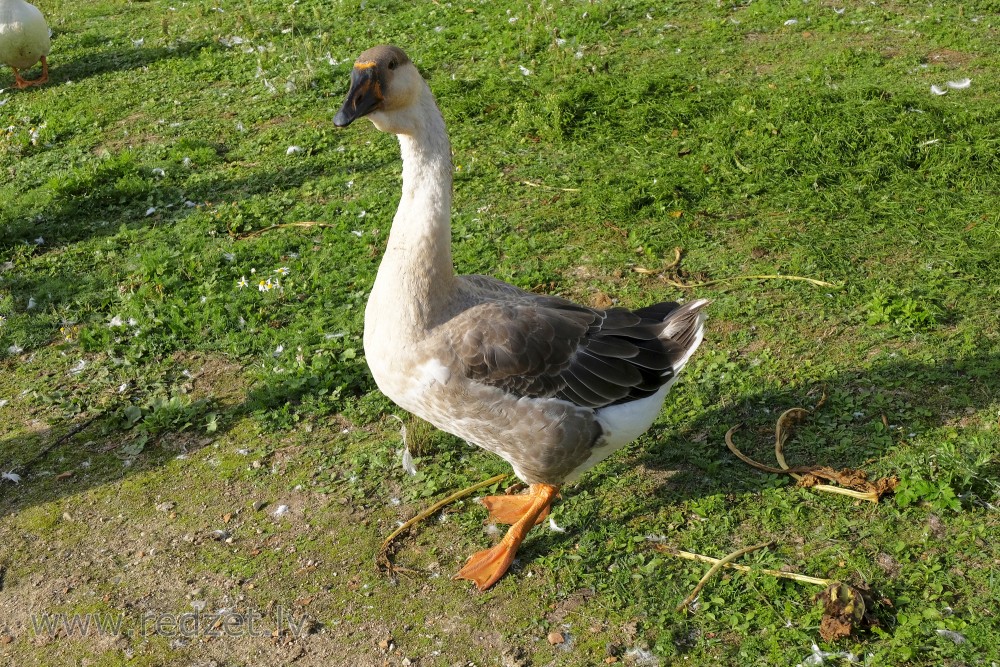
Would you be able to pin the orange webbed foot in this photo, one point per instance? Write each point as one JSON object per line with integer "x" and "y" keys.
{"x": 484, "y": 568}
{"x": 510, "y": 509}
{"x": 524, "y": 512}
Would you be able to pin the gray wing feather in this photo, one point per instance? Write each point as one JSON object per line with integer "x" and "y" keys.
{"x": 542, "y": 346}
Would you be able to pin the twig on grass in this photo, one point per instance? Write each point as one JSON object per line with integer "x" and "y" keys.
{"x": 675, "y": 282}
{"x": 744, "y": 568}
{"x": 719, "y": 564}
{"x": 548, "y": 187}
{"x": 774, "y": 276}
{"x": 853, "y": 483}
{"x": 258, "y": 232}
{"x": 383, "y": 560}
{"x": 666, "y": 267}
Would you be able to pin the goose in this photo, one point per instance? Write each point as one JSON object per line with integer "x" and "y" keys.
{"x": 24, "y": 40}
{"x": 551, "y": 386}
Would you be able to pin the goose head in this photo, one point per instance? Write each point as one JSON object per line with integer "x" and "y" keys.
{"x": 386, "y": 88}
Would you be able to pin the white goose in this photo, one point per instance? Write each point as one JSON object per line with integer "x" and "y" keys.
{"x": 551, "y": 386}
{"x": 24, "y": 40}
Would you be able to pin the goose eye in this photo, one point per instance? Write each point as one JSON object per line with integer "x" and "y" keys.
{"x": 392, "y": 64}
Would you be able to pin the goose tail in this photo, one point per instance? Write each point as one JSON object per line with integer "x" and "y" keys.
{"x": 684, "y": 327}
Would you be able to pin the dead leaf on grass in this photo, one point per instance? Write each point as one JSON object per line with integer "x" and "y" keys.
{"x": 846, "y": 609}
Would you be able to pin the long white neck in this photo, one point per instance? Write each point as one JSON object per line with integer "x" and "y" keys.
{"x": 416, "y": 273}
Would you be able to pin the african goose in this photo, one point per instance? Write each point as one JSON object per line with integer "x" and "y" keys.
{"x": 24, "y": 40}
{"x": 551, "y": 386}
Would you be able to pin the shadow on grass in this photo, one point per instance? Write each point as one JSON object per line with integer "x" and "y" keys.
{"x": 944, "y": 391}
{"x": 98, "y": 204}
{"x": 119, "y": 191}
{"x": 104, "y": 61}
{"x": 846, "y": 432}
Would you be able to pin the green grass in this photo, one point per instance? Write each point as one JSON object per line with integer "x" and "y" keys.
{"x": 131, "y": 357}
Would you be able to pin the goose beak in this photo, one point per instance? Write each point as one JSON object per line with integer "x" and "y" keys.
{"x": 364, "y": 96}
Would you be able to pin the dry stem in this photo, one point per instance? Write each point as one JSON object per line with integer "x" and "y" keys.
{"x": 715, "y": 568}
{"x": 383, "y": 553}
{"x": 549, "y": 187}
{"x": 743, "y": 568}
{"x": 774, "y": 276}
{"x": 258, "y": 232}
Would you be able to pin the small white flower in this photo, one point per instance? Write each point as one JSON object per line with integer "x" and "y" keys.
{"x": 159, "y": 172}
{"x": 350, "y": 184}
{"x": 357, "y": 232}
{"x": 512, "y": 20}
{"x": 11, "y": 477}
{"x": 362, "y": 214}
{"x": 150, "y": 211}
{"x": 3, "y": 402}
{"x": 15, "y": 349}
{"x": 289, "y": 87}
{"x": 938, "y": 91}
{"x": 186, "y": 161}
{"x": 960, "y": 84}
{"x": 228, "y": 256}
{"x": 282, "y": 270}
{"x": 2, "y": 320}
{"x": 242, "y": 282}
{"x": 116, "y": 321}
{"x": 560, "y": 41}
{"x": 239, "y": 127}
{"x": 293, "y": 150}
{"x": 138, "y": 42}
{"x": 278, "y": 350}
{"x": 524, "y": 70}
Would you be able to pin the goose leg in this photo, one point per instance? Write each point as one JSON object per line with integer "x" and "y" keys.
{"x": 486, "y": 567}
{"x": 21, "y": 83}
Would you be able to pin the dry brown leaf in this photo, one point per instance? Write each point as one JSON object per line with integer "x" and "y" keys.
{"x": 843, "y": 609}
{"x": 846, "y": 609}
